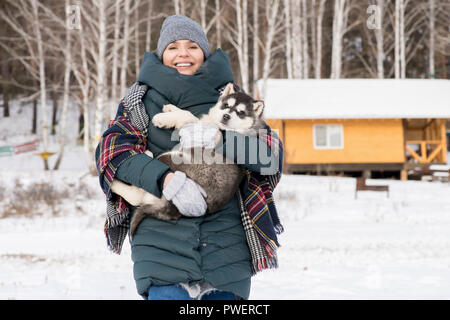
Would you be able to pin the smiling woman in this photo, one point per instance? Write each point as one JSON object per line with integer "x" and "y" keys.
{"x": 198, "y": 256}
{"x": 184, "y": 55}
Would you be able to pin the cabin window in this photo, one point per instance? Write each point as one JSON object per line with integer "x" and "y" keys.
{"x": 328, "y": 136}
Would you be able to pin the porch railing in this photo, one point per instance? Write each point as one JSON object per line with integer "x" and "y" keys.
{"x": 425, "y": 154}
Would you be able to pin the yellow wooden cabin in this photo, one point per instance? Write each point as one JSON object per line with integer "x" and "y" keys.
{"x": 366, "y": 125}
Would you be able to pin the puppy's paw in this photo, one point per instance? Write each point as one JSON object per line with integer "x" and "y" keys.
{"x": 165, "y": 120}
{"x": 170, "y": 108}
{"x": 160, "y": 121}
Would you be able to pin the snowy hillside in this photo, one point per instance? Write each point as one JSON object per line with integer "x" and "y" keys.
{"x": 334, "y": 246}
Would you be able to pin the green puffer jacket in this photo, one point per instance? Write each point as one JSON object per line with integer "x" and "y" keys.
{"x": 211, "y": 248}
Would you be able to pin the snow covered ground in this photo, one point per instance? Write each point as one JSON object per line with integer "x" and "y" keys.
{"x": 334, "y": 246}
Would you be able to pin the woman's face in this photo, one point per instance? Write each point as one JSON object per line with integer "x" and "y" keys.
{"x": 184, "y": 55}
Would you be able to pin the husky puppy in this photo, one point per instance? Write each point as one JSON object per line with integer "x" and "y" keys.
{"x": 219, "y": 177}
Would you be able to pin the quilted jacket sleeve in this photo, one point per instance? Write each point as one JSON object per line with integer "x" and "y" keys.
{"x": 144, "y": 172}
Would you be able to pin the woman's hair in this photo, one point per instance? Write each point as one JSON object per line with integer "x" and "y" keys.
{"x": 179, "y": 27}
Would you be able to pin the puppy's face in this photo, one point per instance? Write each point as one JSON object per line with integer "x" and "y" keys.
{"x": 236, "y": 111}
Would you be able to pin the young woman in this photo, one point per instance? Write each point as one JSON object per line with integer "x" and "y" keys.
{"x": 198, "y": 256}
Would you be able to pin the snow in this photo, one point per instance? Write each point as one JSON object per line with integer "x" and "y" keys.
{"x": 356, "y": 98}
{"x": 334, "y": 246}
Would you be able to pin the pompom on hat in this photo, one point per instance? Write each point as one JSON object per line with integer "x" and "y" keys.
{"x": 179, "y": 27}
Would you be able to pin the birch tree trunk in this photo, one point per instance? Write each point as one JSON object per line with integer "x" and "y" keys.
{"x": 318, "y": 67}
{"x": 136, "y": 39}
{"x": 242, "y": 42}
{"x": 203, "y": 4}
{"x": 218, "y": 24}
{"x": 402, "y": 40}
{"x": 176, "y": 6}
{"x": 400, "y": 61}
{"x": 288, "y": 52}
{"x": 255, "y": 44}
{"x": 397, "y": 40}
{"x": 101, "y": 94}
{"x": 297, "y": 44}
{"x": 83, "y": 77}
{"x": 380, "y": 41}
{"x": 271, "y": 16}
{"x": 246, "y": 77}
{"x": 43, "y": 89}
{"x": 124, "y": 66}
{"x": 338, "y": 30}
{"x": 432, "y": 19}
{"x": 179, "y": 6}
{"x": 305, "y": 39}
{"x": 67, "y": 72}
{"x": 85, "y": 105}
{"x": 115, "y": 59}
{"x": 148, "y": 33}
{"x": 312, "y": 26}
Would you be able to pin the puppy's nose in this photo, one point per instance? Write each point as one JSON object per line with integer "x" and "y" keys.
{"x": 226, "y": 117}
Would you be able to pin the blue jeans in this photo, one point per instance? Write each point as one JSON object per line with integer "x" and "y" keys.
{"x": 175, "y": 292}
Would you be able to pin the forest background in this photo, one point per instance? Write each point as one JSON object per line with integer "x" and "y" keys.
{"x": 61, "y": 54}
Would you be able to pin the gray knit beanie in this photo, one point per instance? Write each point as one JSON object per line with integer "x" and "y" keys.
{"x": 179, "y": 27}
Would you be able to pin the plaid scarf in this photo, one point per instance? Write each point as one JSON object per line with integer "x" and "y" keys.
{"x": 125, "y": 137}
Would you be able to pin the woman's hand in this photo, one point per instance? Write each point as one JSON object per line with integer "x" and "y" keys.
{"x": 199, "y": 134}
{"x": 185, "y": 194}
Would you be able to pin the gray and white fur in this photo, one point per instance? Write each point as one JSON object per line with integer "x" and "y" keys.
{"x": 220, "y": 178}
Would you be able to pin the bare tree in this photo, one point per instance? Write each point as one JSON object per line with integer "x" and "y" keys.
{"x": 148, "y": 33}
{"x": 288, "y": 36}
{"x": 42, "y": 81}
{"x": 238, "y": 37}
{"x": 273, "y": 27}
{"x": 101, "y": 94}
{"x": 431, "y": 46}
{"x": 179, "y": 6}
{"x": 304, "y": 9}
{"x": 218, "y": 24}
{"x": 379, "y": 33}
{"x": 137, "y": 54}
{"x": 67, "y": 72}
{"x": 318, "y": 62}
{"x": 339, "y": 25}
{"x": 115, "y": 56}
{"x": 256, "y": 41}
{"x": 126, "y": 34}
{"x": 400, "y": 61}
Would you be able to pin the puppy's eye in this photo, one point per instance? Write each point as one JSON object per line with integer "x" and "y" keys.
{"x": 240, "y": 113}
{"x": 224, "y": 105}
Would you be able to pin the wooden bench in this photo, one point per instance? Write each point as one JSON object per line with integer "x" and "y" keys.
{"x": 362, "y": 186}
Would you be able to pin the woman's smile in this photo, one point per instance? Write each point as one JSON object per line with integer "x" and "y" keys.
{"x": 184, "y": 55}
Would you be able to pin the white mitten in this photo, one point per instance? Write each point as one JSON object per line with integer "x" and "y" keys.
{"x": 186, "y": 195}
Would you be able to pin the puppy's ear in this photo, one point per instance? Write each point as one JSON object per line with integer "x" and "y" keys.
{"x": 229, "y": 89}
{"x": 258, "y": 108}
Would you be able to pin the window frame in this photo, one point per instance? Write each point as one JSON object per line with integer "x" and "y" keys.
{"x": 328, "y": 146}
